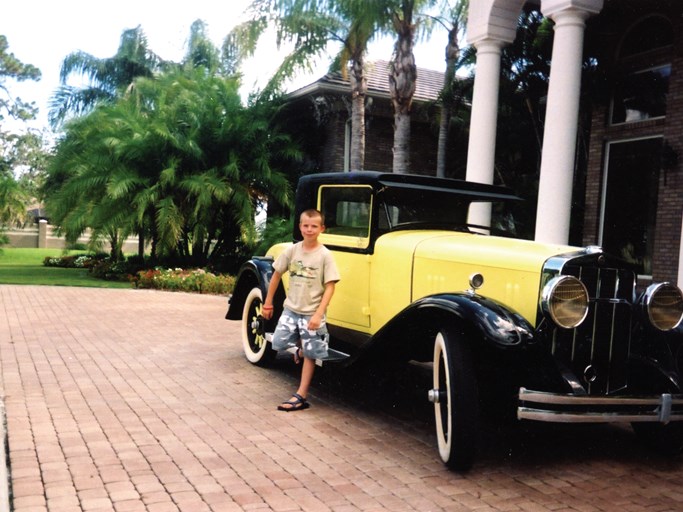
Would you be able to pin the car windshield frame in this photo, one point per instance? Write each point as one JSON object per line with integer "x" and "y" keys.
{"x": 418, "y": 206}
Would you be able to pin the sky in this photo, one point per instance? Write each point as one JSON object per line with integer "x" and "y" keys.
{"x": 43, "y": 32}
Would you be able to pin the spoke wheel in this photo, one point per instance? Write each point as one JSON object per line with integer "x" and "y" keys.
{"x": 455, "y": 401}
{"x": 256, "y": 348}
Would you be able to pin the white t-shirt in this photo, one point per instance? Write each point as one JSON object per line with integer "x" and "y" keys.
{"x": 309, "y": 272}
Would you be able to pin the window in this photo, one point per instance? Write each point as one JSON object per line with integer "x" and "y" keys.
{"x": 641, "y": 95}
{"x": 630, "y": 201}
{"x": 347, "y": 215}
{"x": 650, "y": 34}
{"x": 409, "y": 207}
{"x": 644, "y": 70}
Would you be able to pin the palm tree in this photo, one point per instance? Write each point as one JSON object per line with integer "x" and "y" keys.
{"x": 13, "y": 199}
{"x": 108, "y": 78}
{"x": 311, "y": 26}
{"x": 179, "y": 158}
{"x": 16, "y": 150}
{"x": 450, "y": 95}
{"x": 77, "y": 188}
{"x": 405, "y": 16}
{"x": 201, "y": 52}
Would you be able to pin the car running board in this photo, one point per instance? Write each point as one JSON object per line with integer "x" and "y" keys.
{"x": 333, "y": 356}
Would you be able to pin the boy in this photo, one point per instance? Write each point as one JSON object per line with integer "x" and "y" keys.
{"x": 312, "y": 277}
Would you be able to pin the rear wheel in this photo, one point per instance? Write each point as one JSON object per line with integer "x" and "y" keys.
{"x": 455, "y": 399}
{"x": 256, "y": 348}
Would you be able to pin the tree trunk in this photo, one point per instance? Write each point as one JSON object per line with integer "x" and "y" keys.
{"x": 401, "y": 143}
{"x": 359, "y": 87}
{"x": 141, "y": 244}
{"x": 116, "y": 243}
{"x": 452, "y": 54}
{"x": 443, "y": 141}
{"x": 402, "y": 78}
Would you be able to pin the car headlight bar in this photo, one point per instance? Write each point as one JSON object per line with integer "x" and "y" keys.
{"x": 565, "y": 300}
{"x": 663, "y": 303}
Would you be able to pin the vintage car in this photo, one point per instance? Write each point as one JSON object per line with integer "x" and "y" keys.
{"x": 563, "y": 331}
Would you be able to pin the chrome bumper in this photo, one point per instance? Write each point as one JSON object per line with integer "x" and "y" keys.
{"x": 559, "y": 408}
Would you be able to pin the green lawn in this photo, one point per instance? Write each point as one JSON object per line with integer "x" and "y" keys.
{"x": 25, "y": 266}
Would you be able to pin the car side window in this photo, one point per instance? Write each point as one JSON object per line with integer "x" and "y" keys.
{"x": 347, "y": 211}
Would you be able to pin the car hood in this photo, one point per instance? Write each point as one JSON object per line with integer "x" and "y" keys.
{"x": 481, "y": 250}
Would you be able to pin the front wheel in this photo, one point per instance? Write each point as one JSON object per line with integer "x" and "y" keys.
{"x": 455, "y": 399}
{"x": 256, "y": 348}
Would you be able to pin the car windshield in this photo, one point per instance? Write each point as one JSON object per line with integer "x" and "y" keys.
{"x": 401, "y": 207}
{"x": 423, "y": 208}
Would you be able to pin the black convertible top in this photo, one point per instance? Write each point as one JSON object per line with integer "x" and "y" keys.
{"x": 470, "y": 190}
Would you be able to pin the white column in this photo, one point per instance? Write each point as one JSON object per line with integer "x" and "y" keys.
{"x": 42, "y": 234}
{"x": 561, "y": 119}
{"x": 680, "y": 260}
{"x": 482, "y": 143}
{"x": 561, "y": 122}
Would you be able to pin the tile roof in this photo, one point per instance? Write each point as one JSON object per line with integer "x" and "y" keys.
{"x": 427, "y": 87}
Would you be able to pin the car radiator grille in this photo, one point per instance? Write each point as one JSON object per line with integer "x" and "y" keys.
{"x": 597, "y": 351}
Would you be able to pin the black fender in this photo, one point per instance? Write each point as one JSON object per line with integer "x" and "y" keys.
{"x": 487, "y": 323}
{"x": 655, "y": 361}
{"x": 505, "y": 349}
{"x": 255, "y": 272}
{"x": 486, "y": 319}
{"x": 493, "y": 322}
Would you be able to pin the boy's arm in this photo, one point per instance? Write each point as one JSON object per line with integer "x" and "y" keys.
{"x": 317, "y": 318}
{"x": 267, "y": 312}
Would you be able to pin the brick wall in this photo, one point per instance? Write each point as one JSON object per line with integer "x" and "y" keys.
{"x": 670, "y": 199}
{"x": 379, "y": 140}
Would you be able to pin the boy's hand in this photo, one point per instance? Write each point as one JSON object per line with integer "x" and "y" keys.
{"x": 267, "y": 312}
{"x": 314, "y": 322}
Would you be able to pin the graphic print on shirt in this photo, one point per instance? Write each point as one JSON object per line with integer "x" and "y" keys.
{"x": 298, "y": 269}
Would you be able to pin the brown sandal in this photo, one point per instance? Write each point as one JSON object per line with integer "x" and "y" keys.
{"x": 298, "y": 404}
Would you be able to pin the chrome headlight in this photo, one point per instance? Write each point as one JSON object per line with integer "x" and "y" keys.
{"x": 565, "y": 299}
{"x": 664, "y": 305}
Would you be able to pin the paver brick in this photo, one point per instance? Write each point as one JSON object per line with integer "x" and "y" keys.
{"x": 138, "y": 400}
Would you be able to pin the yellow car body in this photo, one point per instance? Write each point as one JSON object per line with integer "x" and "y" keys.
{"x": 409, "y": 265}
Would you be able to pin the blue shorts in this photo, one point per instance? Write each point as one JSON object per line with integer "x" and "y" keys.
{"x": 293, "y": 327}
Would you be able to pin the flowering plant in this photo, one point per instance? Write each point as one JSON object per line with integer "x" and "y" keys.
{"x": 192, "y": 280}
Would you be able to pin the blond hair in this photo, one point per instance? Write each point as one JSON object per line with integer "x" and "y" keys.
{"x": 312, "y": 213}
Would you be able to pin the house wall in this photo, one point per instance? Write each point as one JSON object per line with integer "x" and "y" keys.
{"x": 333, "y": 149}
{"x": 42, "y": 236}
{"x": 670, "y": 208}
{"x": 379, "y": 140}
{"x": 611, "y": 26}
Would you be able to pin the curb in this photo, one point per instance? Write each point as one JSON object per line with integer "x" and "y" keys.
{"x": 4, "y": 473}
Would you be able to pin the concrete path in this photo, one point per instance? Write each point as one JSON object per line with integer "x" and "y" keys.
{"x": 131, "y": 400}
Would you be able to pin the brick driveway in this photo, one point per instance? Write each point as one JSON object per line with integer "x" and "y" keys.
{"x": 132, "y": 400}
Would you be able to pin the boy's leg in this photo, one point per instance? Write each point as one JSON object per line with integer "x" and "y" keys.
{"x": 286, "y": 333}
{"x": 314, "y": 345}
{"x": 307, "y": 371}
